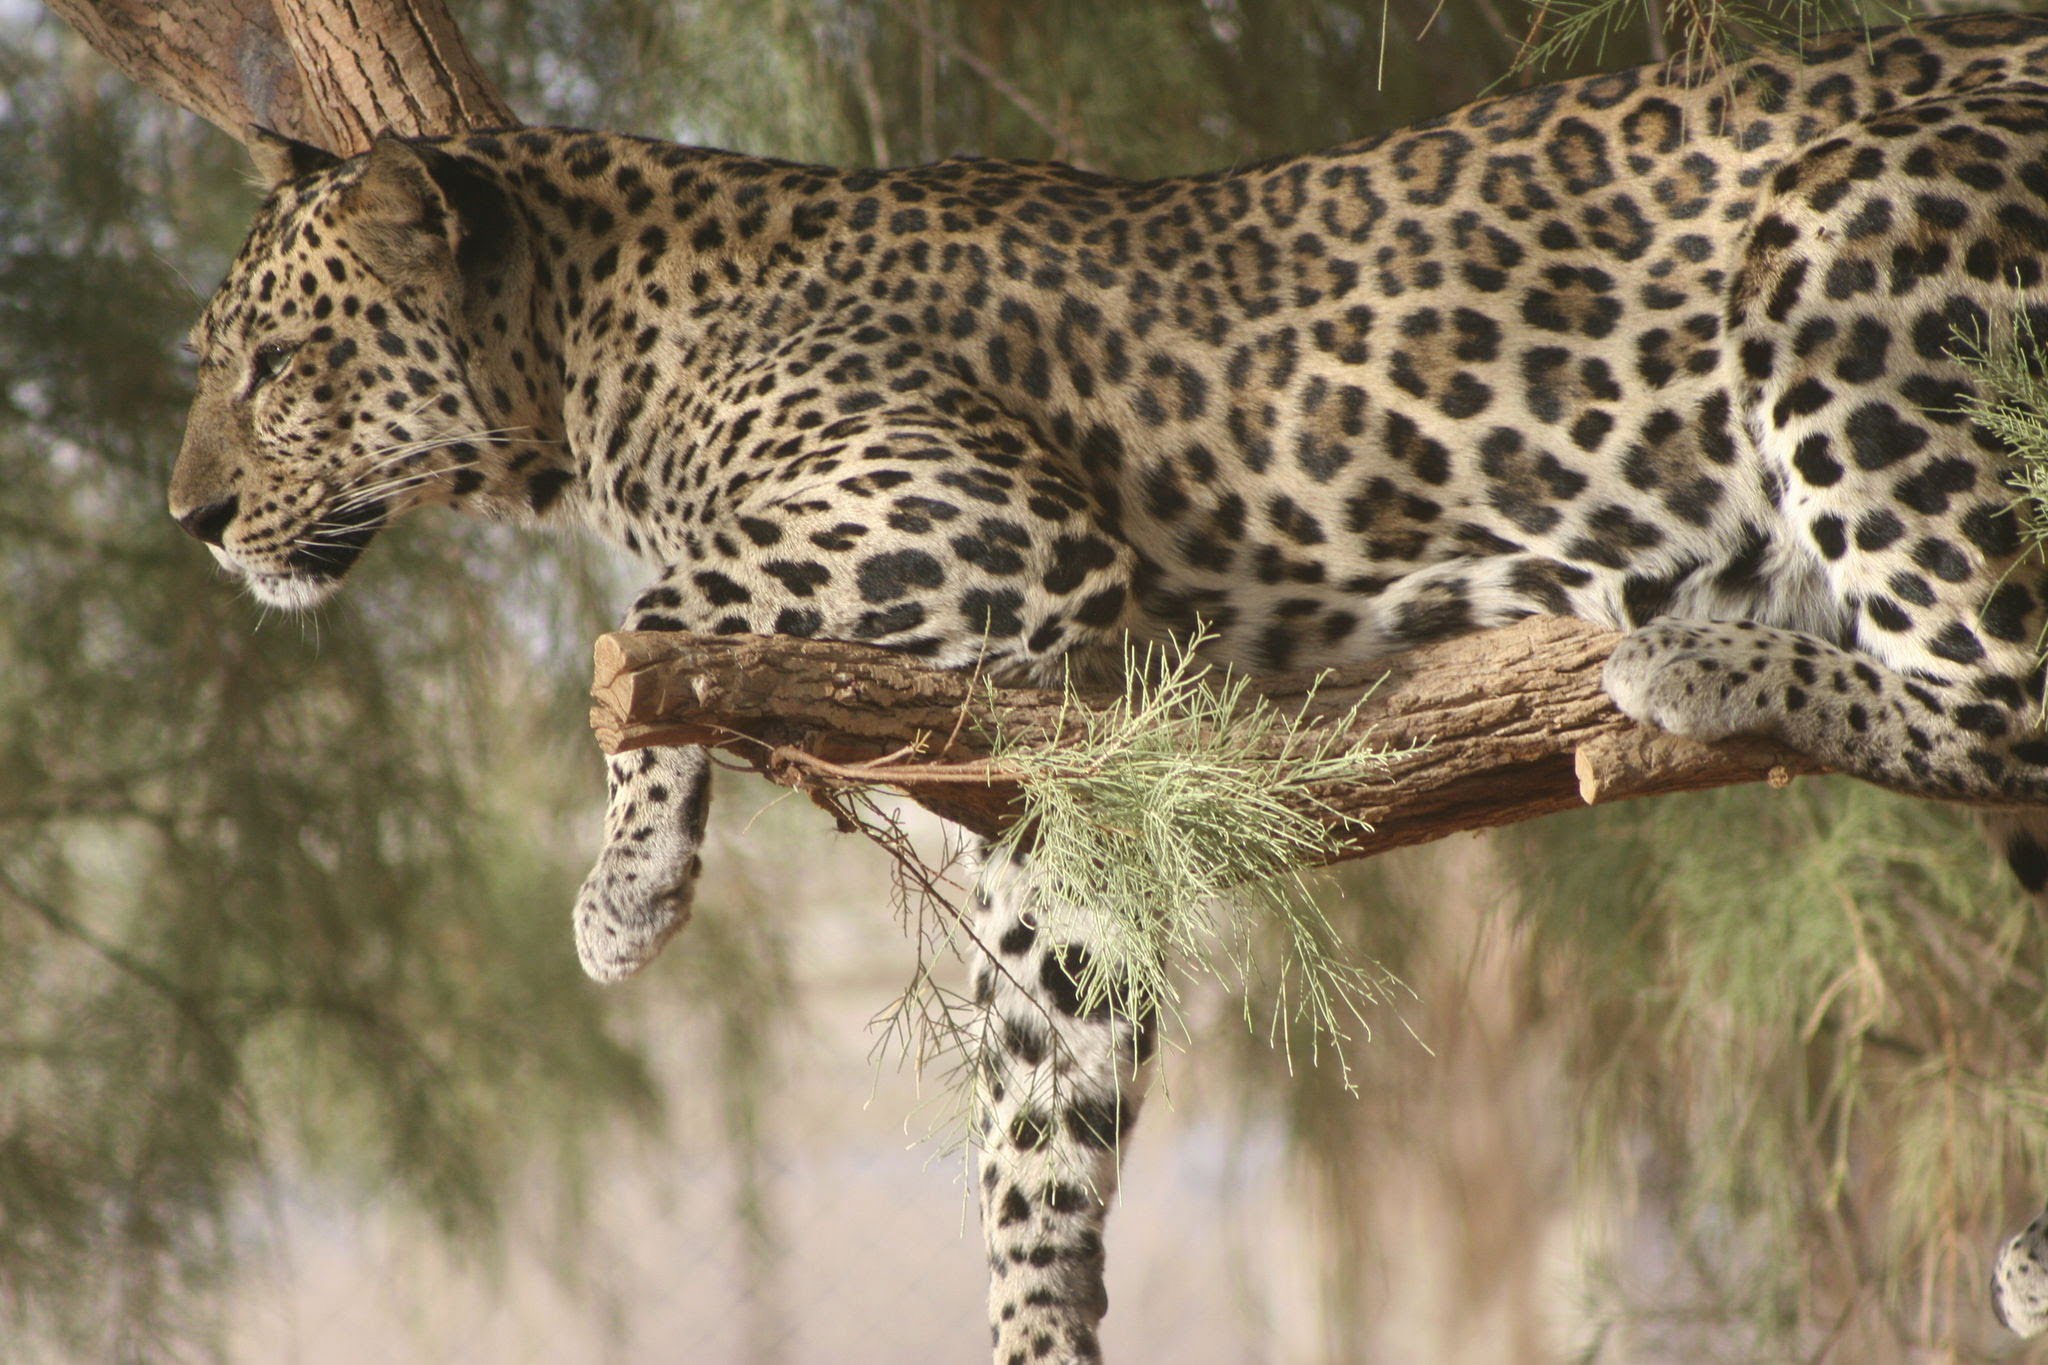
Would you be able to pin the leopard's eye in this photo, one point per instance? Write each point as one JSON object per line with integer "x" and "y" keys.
{"x": 273, "y": 358}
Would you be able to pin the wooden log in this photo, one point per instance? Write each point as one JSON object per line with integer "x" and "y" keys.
{"x": 1511, "y": 724}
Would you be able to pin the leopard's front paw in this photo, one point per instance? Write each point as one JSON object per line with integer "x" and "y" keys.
{"x": 1677, "y": 677}
{"x": 638, "y": 896}
{"x": 630, "y": 906}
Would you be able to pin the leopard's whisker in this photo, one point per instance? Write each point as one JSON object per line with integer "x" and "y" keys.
{"x": 368, "y": 493}
{"x": 367, "y": 487}
{"x": 362, "y": 488}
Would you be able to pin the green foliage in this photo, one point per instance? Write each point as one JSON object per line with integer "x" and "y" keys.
{"x": 2011, "y": 403}
{"x": 1825, "y": 1008}
{"x": 1181, "y": 820}
{"x": 1565, "y": 31}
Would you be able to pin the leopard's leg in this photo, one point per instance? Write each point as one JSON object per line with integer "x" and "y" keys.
{"x": 1958, "y": 734}
{"x": 1873, "y": 260}
{"x": 959, "y": 543}
{"x": 638, "y": 895}
{"x": 1058, "y": 1089}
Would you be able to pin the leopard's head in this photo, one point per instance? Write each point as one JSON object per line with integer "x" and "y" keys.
{"x": 338, "y": 380}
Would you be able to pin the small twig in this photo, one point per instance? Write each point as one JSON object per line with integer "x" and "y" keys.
{"x": 871, "y": 772}
{"x": 916, "y": 746}
{"x": 1523, "y": 53}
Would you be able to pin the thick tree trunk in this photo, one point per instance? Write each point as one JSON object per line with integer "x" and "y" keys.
{"x": 334, "y": 73}
{"x": 1513, "y": 722}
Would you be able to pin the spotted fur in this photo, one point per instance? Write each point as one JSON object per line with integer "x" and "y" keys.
{"x": 1671, "y": 350}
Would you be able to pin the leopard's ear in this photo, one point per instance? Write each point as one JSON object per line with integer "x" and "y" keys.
{"x": 280, "y": 159}
{"x": 421, "y": 208}
{"x": 397, "y": 208}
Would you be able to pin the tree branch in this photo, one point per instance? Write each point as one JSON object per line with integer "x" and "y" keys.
{"x": 1514, "y": 721}
{"x": 331, "y": 72}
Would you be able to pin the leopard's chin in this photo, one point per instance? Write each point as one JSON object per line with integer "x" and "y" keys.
{"x": 292, "y": 591}
{"x": 285, "y": 590}
{"x": 313, "y": 571}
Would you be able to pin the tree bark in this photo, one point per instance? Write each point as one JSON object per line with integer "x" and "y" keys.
{"x": 334, "y": 73}
{"x": 1513, "y": 724}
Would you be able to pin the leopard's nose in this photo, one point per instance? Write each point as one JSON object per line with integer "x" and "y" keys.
{"x": 209, "y": 523}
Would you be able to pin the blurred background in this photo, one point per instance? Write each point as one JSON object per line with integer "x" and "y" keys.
{"x": 296, "y": 1063}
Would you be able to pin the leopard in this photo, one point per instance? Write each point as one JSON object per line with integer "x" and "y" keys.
{"x": 1677, "y": 350}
